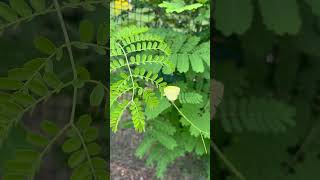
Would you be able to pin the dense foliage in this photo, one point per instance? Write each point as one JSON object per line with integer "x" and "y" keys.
{"x": 268, "y": 60}
{"x": 145, "y": 62}
{"x": 40, "y": 79}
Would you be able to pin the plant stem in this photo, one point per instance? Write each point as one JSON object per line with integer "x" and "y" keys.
{"x": 192, "y": 124}
{"x": 227, "y": 162}
{"x": 128, "y": 65}
{"x": 86, "y": 150}
{"x": 46, "y": 149}
{"x": 75, "y": 89}
{"x": 66, "y": 37}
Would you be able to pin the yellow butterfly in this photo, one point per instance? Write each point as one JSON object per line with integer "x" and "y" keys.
{"x": 121, "y": 5}
{"x": 172, "y": 92}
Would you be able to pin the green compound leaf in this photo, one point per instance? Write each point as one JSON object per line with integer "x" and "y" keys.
{"x": 278, "y": 20}
{"x": 44, "y": 45}
{"x": 86, "y": 31}
{"x": 96, "y": 96}
{"x": 233, "y": 16}
{"x": 154, "y": 112}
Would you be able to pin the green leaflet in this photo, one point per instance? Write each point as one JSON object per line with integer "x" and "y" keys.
{"x": 44, "y": 45}
{"x": 178, "y": 6}
{"x": 10, "y": 84}
{"x": 97, "y": 95}
{"x": 84, "y": 152}
{"x": 153, "y": 113}
{"x": 49, "y": 127}
{"x": 38, "y": 5}
{"x": 86, "y": 31}
{"x": 233, "y": 16}
{"x": 21, "y": 7}
{"x": 276, "y": 20}
{"x": 7, "y": 13}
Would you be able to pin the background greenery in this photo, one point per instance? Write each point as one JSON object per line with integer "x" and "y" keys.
{"x": 18, "y": 47}
{"x": 267, "y": 57}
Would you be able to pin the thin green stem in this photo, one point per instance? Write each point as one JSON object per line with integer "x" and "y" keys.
{"x": 227, "y": 162}
{"x": 47, "y": 148}
{"x": 66, "y": 37}
{"x": 192, "y": 124}
{"x": 75, "y": 89}
{"x": 128, "y": 65}
{"x": 98, "y": 83}
{"x": 86, "y": 151}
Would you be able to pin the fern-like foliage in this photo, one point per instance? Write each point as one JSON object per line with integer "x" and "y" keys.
{"x": 132, "y": 49}
{"x": 36, "y": 81}
{"x": 23, "y": 89}
{"x": 255, "y": 114}
{"x": 162, "y": 145}
{"x": 27, "y": 162}
{"x": 187, "y": 52}
{"x": 240, "y": 111}
{"x": 84, "y": 152}
{"x": 17, "y": 11}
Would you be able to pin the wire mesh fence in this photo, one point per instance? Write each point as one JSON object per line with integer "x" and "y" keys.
{"x": 132, "y": 12}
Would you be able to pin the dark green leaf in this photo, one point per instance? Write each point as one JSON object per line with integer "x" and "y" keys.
{"x": 90, "y": 134}
{"x": 26, "y": 155}
{"x": 84, "y": 122}
{"x": 96, "y": 96}
{"x": 4, "y": 97}
{"x": 23, "y": 99}
{"x": 83, "y": 73}
{"x": 9, "y": 84}
{"x": 102, "y": 34}
{"x": 71, "y": 145}
{"x": 13, "y": 177}
{"x": 93, "y": 149}
{"x": 37, "y": 140}
{"x": 20, "y": 74}
{"x": 44, "y": 45}
{"x": 7, "y": 13}
{"x": 35, "y": 64}
{"x": 38, "y": 5}
{"x": 86, "y": 31}
{"x": 21, "y": 7}
{"x": 76, "y": 158}
{"x": 52, "y": 80}
{"x": 38, "y": 87}
{"x": 81, "y": 172}
{"x": 49, "y": 127}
